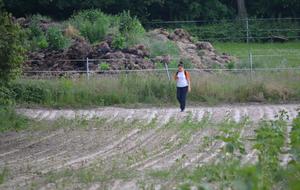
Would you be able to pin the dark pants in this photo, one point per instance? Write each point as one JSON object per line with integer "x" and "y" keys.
{"x": 181, "y": 96}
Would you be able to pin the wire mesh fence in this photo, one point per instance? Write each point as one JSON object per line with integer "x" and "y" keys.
{"x": 247, "y": 31}
{"x": 247, "y": 67}
{"x": 237, "y": 30}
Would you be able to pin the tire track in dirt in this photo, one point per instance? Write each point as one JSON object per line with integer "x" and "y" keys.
{"x": 56, "y": 150}
{"x": 255, "y": 112}
{"x": 42, "y": 162}
{"x": 145, "y": 138}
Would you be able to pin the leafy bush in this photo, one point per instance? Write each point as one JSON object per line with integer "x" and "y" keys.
{"x": 11, "y": 48}
{"x": 104, "y": 66}
{"x": 56, "y": 39}
{"x": 6, "y": 96}
{"x": 119, "y": 42}
{"x": 230, "y": 65}
{"x": 35, "y": 36}
{"x": 130, "y": 28}
{"x": 92, "y": 24}
{"x": 31, "y": 93}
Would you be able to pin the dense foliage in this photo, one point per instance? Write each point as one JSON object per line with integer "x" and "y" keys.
{"x": 158, "y": 9}
{"x": 11, "y": 49}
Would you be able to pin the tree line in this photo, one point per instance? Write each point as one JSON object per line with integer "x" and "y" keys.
{"x": 148, "y": 10}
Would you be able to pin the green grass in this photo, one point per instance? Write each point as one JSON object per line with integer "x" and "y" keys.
{"x": 295, "y": 138}
{"x": 155, "y": 89}
{"x": 10, "y": 120}
{"x": 265, "y": 55}
{"x": 229, "y": 173}
{"x": 3, "y": 175}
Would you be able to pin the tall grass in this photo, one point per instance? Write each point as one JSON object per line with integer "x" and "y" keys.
{"x": 265, "y": 55}
{"x": 155, "y": 89}
{"x": 102, "y": 91}
{"x": 10, "y": 120}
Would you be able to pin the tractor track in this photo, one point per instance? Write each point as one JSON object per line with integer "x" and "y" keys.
{"x": 28, "y": 154}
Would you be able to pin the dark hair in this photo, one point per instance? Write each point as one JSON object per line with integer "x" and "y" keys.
{"x": 180, "y": 64}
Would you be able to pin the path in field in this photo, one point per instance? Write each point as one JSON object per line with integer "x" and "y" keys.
{"x": 29, "y": 154}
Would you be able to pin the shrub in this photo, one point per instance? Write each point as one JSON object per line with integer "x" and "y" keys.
{"x": 35, "y": 43}
{"x": 31, "y": 92}
{"x": 42, "y": 42}
{"x": 104, "y": 66}
{"x": 36, "y": 38}
{"x": 6, "y": 96}
{"x": 130, "y": 28}
{"x": 56, "y": 39}
{"x": 92, "y": 24}
{"x": 130, "y": 25}
{"x": 11, "y": 48}
{"x": 230, "y": 65}
{"x": 119, "y": 42}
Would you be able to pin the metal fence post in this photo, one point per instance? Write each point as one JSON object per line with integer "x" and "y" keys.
{"x": 249, "y": 52}
{"x": 166, "y": 67}
{"x": 251, "y": 63}
{"x": 247, "y": 27}
{"x": 87, "y": 68}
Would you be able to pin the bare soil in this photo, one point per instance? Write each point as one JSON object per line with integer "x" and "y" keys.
{"x": 131, "y": 140}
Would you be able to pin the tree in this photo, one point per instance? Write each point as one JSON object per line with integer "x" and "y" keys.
{"x": 242, "y": 11}
{"x": 11, "y": 50}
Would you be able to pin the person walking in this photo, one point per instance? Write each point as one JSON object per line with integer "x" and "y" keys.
{"x": 183, "y": 83}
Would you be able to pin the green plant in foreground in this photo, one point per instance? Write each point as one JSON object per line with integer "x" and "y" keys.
{"x": 269, "y": 140}
{"x": 10, "y": 120}
{"x": 3, "y": 175}
{"x": 231, "y": 135}
{"x": 295, "y": 139}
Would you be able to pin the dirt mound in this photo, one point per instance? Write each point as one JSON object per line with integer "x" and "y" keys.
{"x": 201, "y": 54}
{"x": 134, "y": 58}
{"x": 51, "y": 60}
{"x": 74, "y": 58}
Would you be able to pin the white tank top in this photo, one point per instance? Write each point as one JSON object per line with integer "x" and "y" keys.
{"x": 181, "y": 81}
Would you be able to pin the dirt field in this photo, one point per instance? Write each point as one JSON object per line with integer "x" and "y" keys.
{"x": 118, "y": 148}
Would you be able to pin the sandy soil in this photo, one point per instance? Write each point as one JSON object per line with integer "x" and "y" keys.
{"x": 30, "y": 154}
